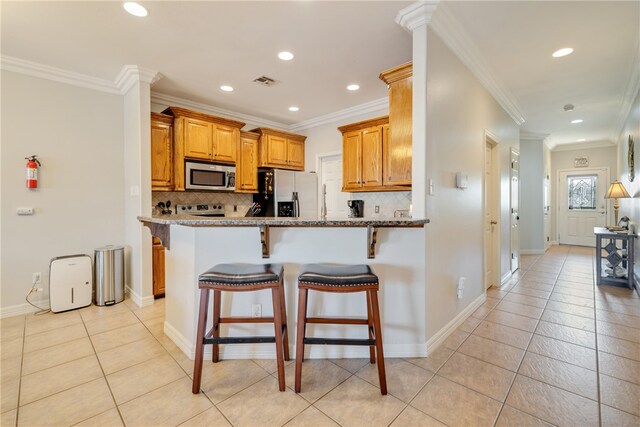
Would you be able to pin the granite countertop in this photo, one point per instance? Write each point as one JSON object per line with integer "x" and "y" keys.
{"x": 198, "y": 221}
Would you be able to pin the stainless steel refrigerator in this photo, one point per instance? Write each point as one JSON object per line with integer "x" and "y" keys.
{"x": 277, "y": 190}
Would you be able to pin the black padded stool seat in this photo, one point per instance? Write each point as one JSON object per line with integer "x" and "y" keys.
{"x": 240, "y": 278}
{"x": 241, "y": 275}
{"x": 340, "y": 279}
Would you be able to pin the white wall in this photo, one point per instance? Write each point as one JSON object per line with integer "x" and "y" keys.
{"x": 532, "y": 175}
{"x": 77, "y": 133}
{"x": 459, "y": 110}
{"x": 564, "y": 159}
{"x": 631, "y": 207}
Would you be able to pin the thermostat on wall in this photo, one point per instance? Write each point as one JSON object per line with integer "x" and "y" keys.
{"x": 462, "y": 180}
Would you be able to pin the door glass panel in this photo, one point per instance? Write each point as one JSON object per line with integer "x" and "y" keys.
{"x": 582, "y": 192}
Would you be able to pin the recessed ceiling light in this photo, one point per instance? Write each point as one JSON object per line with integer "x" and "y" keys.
{"x": 226, "y": 88}
{"x": 285, "y": 56}
{"x": 135, "y": 9}
{"x": 562, "y": 52}
{"x": 294, "y": 109}
{"x": 581, "y": 139}
{"x": 577, "y": 121}
{"x": 353, "y": 87}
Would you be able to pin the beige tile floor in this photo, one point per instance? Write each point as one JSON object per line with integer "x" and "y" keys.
{"x": 548, "y": 348}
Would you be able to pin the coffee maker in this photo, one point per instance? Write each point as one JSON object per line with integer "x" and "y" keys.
{"x": 356, "y": 208}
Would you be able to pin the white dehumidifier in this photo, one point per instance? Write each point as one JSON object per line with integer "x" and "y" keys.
{"x": 70, "y": 282}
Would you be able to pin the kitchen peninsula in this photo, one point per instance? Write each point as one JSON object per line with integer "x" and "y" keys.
{"x": 394, "y": 247}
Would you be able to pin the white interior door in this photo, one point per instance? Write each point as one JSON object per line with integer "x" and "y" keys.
{"x": 581, "y": 205}
{"x": 331, "y": 176}
{"x": 515, "y": 210}
{"x": 491, "y": 217}
{"x": 547, "y": 225}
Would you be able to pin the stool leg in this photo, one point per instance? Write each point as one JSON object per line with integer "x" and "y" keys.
{"x": 372, "y": 348}
{"x": 217, "y": 296}
{"x": 302, "y": 317}
{"x": 378, "y": 332}
{"x": 200, "y": 333}
{"x": 277, "y": 323}
{"x": 285, "y": 326}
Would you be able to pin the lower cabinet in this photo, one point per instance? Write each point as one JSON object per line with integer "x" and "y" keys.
{"x": 158, "y": 268}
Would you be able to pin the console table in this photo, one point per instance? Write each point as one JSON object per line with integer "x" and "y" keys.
{"x": 617, "y": 249}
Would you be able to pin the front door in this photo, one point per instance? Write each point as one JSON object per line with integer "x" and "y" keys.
{"x": 581, "y": 205}
{"x": 515, "y": 210}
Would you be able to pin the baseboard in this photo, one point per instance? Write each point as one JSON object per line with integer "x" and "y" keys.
{"x": 140, "y": 301}
{"x": 267, "y": 351}
{"x": 20, "y": 309}
{"x": 437, "y": 339}
{"x": 532, "y": 251}
{"x": 554, "y": 243}
{"x": 506, "y": 278}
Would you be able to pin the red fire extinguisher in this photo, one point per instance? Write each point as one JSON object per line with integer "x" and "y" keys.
{"x": 32, "y": 171}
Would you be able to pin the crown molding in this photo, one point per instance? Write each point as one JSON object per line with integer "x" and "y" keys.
{"x": 22, "y": 66}
{"x": 581, "y": 145}
{"x": 630, "y": 94}
{"x": 452, "y": 33}
{"x": 532, "y": 136}
{"x": 169, "y": 100}
{"x": 417, "y": 14}
{"x": 131, "y": 74}
{"x": 378, "y": 105}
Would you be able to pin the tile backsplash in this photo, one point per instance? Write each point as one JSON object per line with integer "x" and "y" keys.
{"x": 241, "y": 201}
{"x": 389, "y": 202}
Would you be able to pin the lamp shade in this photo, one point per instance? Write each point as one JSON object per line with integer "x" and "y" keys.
{"x": 616, "y": 191}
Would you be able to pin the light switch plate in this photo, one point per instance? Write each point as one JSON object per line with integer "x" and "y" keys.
{"x": 24, "y": 211}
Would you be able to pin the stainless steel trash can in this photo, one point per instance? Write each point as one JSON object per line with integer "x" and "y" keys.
{"x": 109, "y": 275}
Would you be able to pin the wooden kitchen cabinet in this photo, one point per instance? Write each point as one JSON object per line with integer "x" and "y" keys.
{"x": 398, "y": 146}
{"x": 247, "y": 163}
{"x": 161, "y": 152}
{"x": 362, "y": 155}
{"x": 158, "y": 268}
{"x": 201, "y": 136}
{"x": 280, "y": 150}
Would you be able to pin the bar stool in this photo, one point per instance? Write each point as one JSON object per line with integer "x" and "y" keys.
{"x": 240, "y": 278}
{"x": 340, "y": 278}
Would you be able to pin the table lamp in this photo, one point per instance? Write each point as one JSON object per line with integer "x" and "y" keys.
{"x": 616, "y": 191}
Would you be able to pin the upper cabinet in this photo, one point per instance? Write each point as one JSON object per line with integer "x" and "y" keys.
{"x": 247, "y": 163}
{"x": 161, "y": 152}
{"x": 397, "y": 147}
{"x": 280, "y": 150}
{"x": 201, "y": 136}
{"x": 362, "y": 155}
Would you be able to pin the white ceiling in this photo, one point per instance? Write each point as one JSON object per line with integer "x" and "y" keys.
{"x": 198, "y": 46}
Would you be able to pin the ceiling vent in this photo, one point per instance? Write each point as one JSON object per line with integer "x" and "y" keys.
{"x": 265, "y": 81}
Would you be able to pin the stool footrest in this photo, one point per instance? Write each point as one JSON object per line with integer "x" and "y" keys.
{"x": 336, "y": 321}
{"x": 238, "y": 340}
{"x": 246, "y": 320}
{"x": 339, "y": 341}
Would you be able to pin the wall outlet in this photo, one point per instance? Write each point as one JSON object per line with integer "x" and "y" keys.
{"x": 377, "y": 209}
{"x": 256, "y": 310}
{"x": 460, "y": 289}
{"x": 36, "y": 278}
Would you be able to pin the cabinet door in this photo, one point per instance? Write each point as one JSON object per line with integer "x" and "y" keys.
{"x": 351, "y": 160}
{"x": 225, "y": 143}
{"x": 397, "y": 148}
{"x": 247, "y": 166}
{"x": 198, "y": 139}
{"x": 276, "y": 150}
{"x": 158, "y": 270}
{"x": 295, "y": 154}
{"x": 161, "y": 163}
{"x": 372, "y": 157}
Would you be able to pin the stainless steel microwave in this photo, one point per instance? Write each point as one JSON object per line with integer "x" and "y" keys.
{"x": 209, "y": 177}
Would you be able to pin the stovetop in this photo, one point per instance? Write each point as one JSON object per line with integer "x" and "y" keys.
{"x": 213, "y": 210}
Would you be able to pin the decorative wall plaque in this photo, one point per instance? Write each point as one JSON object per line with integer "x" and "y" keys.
{"x": 581, "y": 162}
